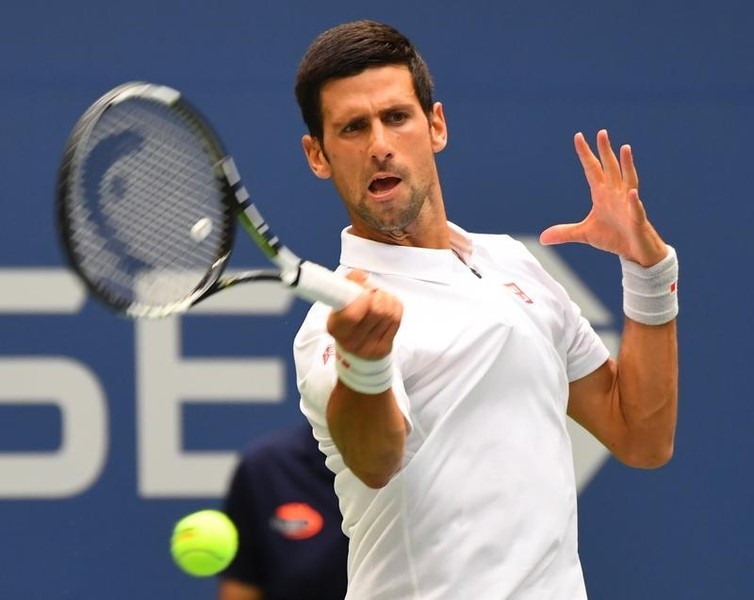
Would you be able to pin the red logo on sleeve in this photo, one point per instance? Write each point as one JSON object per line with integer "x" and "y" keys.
{"x": 329, "y": 351}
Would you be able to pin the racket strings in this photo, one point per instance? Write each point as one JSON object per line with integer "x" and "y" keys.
{"x": 150, "y": 224}
{"x": 167, "y": 183}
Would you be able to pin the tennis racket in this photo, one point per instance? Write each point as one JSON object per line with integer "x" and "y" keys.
{"x": 147, "y": 206}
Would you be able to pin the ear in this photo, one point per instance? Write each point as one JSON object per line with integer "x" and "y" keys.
{"x": 438, "y": 129}
{"x": 315, "y": 156}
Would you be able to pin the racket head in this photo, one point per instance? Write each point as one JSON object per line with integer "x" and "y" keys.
{"x": 146, "y": 215}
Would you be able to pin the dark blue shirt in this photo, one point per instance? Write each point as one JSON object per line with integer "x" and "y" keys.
{"x": 282, "y": 501}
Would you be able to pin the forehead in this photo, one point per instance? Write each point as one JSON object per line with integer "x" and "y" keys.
{"x": 373, "y": 89}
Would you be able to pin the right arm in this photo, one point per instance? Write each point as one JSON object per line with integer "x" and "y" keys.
{"x": 368, "y": 429}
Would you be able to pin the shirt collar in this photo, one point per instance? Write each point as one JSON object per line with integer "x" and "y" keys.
{"x": 427, "y": 264}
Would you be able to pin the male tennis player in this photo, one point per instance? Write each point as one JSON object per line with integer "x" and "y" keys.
{"x": 440, "y": 395}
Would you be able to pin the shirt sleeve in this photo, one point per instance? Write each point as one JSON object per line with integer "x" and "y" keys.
{"x": 582, "y": 348}
{"x": 314, "y": 357}
{"x": 586, "y": 350}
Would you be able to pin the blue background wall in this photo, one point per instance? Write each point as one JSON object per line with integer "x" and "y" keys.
{"x": 518, "y": 79}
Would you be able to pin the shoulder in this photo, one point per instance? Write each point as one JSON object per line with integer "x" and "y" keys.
{"x": 510, "y": 254}
{"x": 501, "y": 243}
{"x": 497, "y": 248}
{"x": 528, "y": 268}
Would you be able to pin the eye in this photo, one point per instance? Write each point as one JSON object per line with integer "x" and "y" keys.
{"x": 353, "y": 126}
{"x": 396, "y": 116}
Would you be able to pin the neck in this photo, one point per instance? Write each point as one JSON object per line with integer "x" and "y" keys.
{"x": 428, "y": 230}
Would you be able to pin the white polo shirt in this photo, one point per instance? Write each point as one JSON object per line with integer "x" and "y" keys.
{"x": 485, "y": 504}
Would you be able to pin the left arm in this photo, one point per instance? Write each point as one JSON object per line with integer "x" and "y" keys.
{"x": 630, "y": 405}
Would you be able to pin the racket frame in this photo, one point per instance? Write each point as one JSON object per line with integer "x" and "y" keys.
{"x": 306, "y": 279}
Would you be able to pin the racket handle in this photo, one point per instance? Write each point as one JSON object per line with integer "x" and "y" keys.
{"x": 319, "y": 284}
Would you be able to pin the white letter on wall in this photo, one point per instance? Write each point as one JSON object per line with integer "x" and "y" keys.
{"x": 59, "y": 381}
{"x": 166, "y": 381}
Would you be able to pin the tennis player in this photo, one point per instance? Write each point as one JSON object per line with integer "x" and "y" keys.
{"x": 439, "y": 396}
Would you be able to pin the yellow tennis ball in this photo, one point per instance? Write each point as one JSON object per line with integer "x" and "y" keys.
{"x": 204, "y": 543}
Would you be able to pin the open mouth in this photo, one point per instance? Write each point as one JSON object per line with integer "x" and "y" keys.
{"x": 382, "y": 185}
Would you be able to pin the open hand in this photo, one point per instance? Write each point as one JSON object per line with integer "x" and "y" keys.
{"x": 617, "y": 222}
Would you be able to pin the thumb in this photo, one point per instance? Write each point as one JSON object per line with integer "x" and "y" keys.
{"x": 560, "y": 234}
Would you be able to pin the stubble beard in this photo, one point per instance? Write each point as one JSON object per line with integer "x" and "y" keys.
{"x": 394, "y": 220}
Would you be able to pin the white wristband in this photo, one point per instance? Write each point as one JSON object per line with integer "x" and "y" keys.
{"x": 650, "y": 294}
{"x": 364, "y": 375}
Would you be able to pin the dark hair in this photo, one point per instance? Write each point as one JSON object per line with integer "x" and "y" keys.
{"x": 347, "y": 50}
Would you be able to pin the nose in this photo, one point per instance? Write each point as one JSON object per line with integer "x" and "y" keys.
{"x": 379, "y": 145}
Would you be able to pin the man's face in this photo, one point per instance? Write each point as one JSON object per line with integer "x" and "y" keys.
{"x": 378, "y": 147}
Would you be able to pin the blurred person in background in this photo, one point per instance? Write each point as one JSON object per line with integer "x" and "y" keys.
{"x": 290, "y": 542}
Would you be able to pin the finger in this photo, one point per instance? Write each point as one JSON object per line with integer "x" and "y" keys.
{"x": 379, "y": 342}
{"x": 341, "y": 324}
{"x": 637, "y": 207}
{"x": 630, "y": 176}
{"x": 610, "y": 164}
{"x": 358, "y": 276}
{"x": 589, "y": 162}
{"x": 352, "y": 337}
{"x": 386, "y": 311}
{"x": 355, "y": 309}
{"x": 379, "y": 312}
{"x": 562, "y": 234}
{"x": 366, "y": 337}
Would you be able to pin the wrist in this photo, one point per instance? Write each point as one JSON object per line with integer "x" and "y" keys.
{"x": 650, "y": 294}
{"x": 363, "y": 375}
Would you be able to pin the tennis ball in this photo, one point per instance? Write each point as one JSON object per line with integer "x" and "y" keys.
{"x": 204, "y": 543}
{"x": 201, "y": 229}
